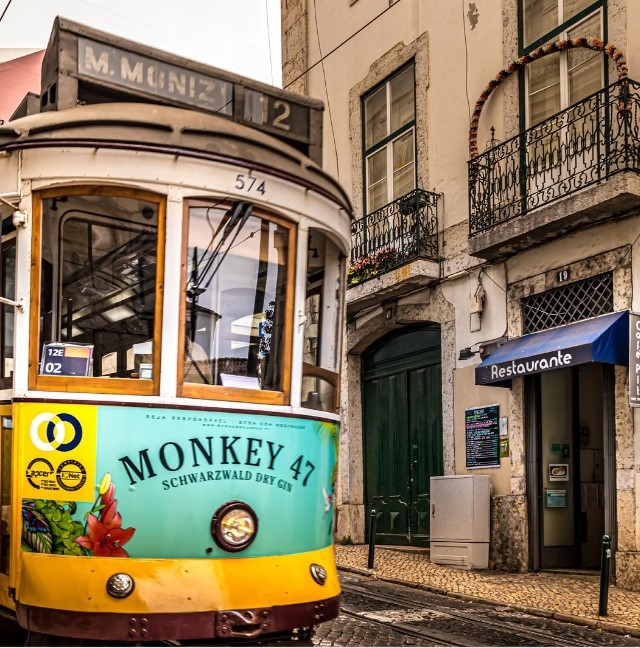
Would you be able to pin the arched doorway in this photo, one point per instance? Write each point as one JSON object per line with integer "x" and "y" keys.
{"x": 402, "y": 432}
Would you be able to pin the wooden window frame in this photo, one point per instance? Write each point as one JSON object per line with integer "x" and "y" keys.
{"x": 94, "y": 384}
{"x": 237, "y": 394}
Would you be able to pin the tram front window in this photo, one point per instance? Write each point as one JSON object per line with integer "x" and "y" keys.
{"x": 237, "y": 287}
{"x": 99, "y": 261}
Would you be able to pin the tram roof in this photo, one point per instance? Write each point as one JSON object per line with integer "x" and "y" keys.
{"x": 165, "y": 129}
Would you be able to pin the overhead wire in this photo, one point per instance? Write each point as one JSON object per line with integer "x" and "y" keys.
{"x": 466, "y": 61}
{"x": 4, "y": 11}
{"x": 337, "y": 47}
{"x": 326, "y": 89}
{"x": 266, "y": 6}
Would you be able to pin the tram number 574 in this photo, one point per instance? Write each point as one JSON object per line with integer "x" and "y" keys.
{"x": 249, "y": 183}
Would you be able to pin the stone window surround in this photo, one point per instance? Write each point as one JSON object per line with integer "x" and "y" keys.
{"x": 379, "y": 71}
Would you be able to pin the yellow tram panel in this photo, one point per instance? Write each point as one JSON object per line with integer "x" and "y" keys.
{"x": 61, "y": 582}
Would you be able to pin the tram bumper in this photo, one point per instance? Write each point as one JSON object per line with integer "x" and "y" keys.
{"x": 227, "y": 624}
{"x": 176, "y": 599}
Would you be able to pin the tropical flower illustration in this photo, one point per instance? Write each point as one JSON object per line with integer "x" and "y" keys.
{"x": 47, "y": 527}
{"x": 104, "y": 535}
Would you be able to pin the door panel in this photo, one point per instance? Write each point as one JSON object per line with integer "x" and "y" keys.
{"x": 386, "y": 460}
{"x": 425, "y": 432}
{"x": 402, "y": 433}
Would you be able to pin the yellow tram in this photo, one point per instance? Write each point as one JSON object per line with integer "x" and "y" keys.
{"x": 172, "y": 280}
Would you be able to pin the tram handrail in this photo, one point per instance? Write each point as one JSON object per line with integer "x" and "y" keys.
{"x": 11, "y": 302}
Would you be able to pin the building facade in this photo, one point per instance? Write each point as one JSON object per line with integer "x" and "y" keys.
{"x": 492, "y": 151}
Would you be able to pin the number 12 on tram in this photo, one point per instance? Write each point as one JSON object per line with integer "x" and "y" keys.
{"x": 170, "y": 344}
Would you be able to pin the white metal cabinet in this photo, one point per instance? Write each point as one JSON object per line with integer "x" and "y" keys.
{"x": 460, "y": 520}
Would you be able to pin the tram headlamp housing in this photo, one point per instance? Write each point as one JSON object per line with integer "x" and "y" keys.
{"x": 120, "y": 585}
{"x": 234, "y": 526}
{"x": 318, "y": 573}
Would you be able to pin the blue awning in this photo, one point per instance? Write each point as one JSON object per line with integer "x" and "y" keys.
{"x": 599, "y": 339}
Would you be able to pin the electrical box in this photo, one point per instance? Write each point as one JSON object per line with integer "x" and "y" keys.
{"x": 460, "y": 519}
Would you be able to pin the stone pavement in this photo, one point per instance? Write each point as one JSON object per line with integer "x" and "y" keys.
{"x": 567, "y": 597}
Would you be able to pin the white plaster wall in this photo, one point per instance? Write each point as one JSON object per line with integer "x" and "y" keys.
{"x": 352, "y": 42}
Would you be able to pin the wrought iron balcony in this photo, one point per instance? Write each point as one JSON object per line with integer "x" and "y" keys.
{"x": 402, "y": 231}
{"x": 578, "y": 147}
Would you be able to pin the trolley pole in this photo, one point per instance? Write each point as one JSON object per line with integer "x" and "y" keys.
{"x": 605, "y": 566}
{"x": 372, "y": 539}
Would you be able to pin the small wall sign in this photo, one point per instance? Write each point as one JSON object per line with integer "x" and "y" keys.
{"x": 482, "y": 436}
{"x": 556, "y": 498}
{"x": 558, "y": 472}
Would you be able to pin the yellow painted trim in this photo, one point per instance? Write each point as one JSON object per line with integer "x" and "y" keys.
{"x": 6, "y": 409}
{"x": 174, "y": 586}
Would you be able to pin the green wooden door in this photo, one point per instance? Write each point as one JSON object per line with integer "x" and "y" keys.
{"x": 402, "y": 431}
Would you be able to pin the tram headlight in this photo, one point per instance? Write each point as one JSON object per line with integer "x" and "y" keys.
{"x": 318, "y": 573}
{"x": 234, "y": 526}
{"x": 120, "y": 585}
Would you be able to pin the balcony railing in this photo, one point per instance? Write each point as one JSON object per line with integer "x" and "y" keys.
{"x": 580, "y": 146}
{"x": 402, "y": 231}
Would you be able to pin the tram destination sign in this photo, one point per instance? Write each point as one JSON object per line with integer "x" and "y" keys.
{"x": 154, "y": 78}
{"x": 88, "y": 66}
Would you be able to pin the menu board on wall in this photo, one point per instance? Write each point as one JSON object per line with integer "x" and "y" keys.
{"x": 482, "y": 431}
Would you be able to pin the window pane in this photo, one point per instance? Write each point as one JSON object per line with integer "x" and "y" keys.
{"x": 402, "y": 99}
{"x": 8, "y": 313}
{"x": 540, "y": 17}
{"x": 377, "y": 180}
{"x": 321, "y": 351}
{"x": 403, "y": 165}
{"x": 572, "y": 7}
{"x": 236, "y": 290}
{"x": 585, "y": 80}
{"x": 375, "y": 117}
{"x": 102, "y": 252}
{"x": 585, "y": 66}
{"x": 544, "y": 88}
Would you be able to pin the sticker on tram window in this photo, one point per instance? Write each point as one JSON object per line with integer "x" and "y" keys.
{"x": 60, "y": 359}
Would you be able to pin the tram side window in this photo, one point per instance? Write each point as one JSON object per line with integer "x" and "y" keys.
{"x": 7, "y": 313}
{"x": 98, "y": 284}
{"x": 237, "y": 322}
{"x": 323, "y": 313}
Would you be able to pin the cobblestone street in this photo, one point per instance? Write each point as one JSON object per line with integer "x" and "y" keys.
{"x": 565, "y": 597}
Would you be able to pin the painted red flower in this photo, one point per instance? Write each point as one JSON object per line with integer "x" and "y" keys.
{"x": 105, "y": 538}
{"x": 105, "y": 535}
{"x": 109, "y": 494}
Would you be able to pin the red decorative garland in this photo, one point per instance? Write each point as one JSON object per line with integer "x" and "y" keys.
{"x": 590, "y": 43}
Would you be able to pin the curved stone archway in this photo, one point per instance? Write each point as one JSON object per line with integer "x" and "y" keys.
{"x": 350, "y": 493}
{"x": 589, "y": 43}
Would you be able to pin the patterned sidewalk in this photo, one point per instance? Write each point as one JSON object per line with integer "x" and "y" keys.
{"x": 565, "y": 597}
